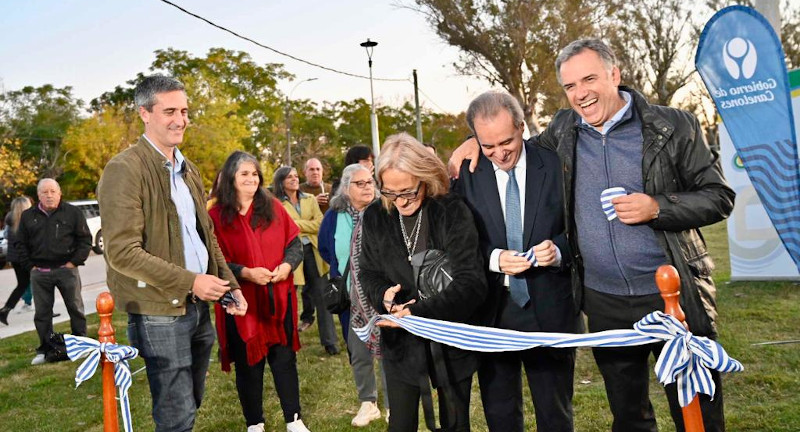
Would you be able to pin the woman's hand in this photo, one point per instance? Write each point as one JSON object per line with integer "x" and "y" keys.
{"x": 241, "y": 308}
{"x": 397, "y": 310}
{"x": 281, "y": 272}
{"x": 257, "y": 275}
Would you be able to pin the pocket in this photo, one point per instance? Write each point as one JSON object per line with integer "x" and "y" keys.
{"x": 159, "y": 319}
{"x": 696, "y": 255}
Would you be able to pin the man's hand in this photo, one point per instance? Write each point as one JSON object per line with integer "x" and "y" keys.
{"x": 322, "y": 199}
{"x": 209, "y": 287}
{"x": 281, "y": 272}
{"x": 511, "y": 264}
{"x": 635, "y": 208}
{"x": 469, "y": 149}
{"x": 257, "y": 275}
{"x": 69, "y": 265}
{"x": 241, "y": 309}
{"x": 545, "y": 253}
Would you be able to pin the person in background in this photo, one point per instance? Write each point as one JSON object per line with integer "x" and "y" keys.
{"x": 361, "y": 155}
{"x": 260, "y": 244}
{"x": 313, "y": 185}
{"x": 417, "y": 214}
{"x": 304, "y": 210}
{"x": 52, "y": 241}
{"x": 18, "y": 205}
{"x": 338, "y": 232}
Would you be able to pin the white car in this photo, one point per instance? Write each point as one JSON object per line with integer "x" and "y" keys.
{"x": 91, "y": 210}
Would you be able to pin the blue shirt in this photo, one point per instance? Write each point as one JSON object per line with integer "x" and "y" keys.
{"x": 195, "y": 253}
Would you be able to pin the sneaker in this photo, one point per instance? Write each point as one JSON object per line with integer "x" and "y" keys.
{"x": 368, "y": 412}
{"x": 25, "y": 308}
{"x": 387, "y": 415}
{"x": 4, "y": 314}
{"x": 297, "y": 425}
{"x": 256, "y": 428}
{"x": 39, "y": 359}
{"x": 303, "y": 326}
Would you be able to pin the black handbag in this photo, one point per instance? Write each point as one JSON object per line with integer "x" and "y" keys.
{"x": 337, "y": 299}
{"x": 432, "y": 271}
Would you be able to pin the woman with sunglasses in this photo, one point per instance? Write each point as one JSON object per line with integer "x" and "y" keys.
{"x": 415, "y": 214}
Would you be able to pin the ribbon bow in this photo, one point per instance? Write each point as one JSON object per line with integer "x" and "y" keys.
{"x": 686, "y": 358}
{"x": 79, "y": 346}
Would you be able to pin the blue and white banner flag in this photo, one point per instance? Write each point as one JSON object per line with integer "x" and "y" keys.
{"x": 79, "y": 347}
{"x": 742, "y": 64}
{"x": 685, "y": 359}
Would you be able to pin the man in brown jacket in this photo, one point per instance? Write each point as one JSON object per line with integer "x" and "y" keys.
{"x": 164, "y": 263}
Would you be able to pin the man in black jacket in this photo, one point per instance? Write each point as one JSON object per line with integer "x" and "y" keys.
{"x": 673, "y": 185}
{"x": 53, "y": 240}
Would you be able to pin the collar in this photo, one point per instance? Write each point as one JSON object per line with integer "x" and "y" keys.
{"x": 617, "y": 116}
{"x": 522, "y": 163}
{"x": 180, "y": 161}
{"x": 48, "y": 213}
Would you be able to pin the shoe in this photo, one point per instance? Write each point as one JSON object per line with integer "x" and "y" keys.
{"x": 39, "y": 359}
{"x": 297, "y": 425}
{"x": 56, "y": 315}
{"x": 303, "y": 326}
{"x": 387, "y": 415}
{"x": 332, "y": 350}
{"x": 368, "y": 412}
{"x": 25, "y": 308}
{"x": 4, "y": 314}
{"x": 256, "y": 428}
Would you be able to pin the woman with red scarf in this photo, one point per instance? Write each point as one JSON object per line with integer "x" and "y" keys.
{"x": 260, "y": 244}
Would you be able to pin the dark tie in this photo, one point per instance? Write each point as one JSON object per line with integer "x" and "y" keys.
{"x": 518, "y": 288}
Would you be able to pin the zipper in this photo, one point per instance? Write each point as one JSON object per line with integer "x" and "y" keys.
{"x": 611, "y": 224}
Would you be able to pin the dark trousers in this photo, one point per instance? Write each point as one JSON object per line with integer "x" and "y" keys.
{"x": 404, "y": 399}
{"x": 626, "y": 371}
{"x": 550, "y": 373}
{"x": 315, "y": 284}
{"x": 250, "y": 379}
{"x": 68, "y": 282}
{"x": 307, "y": 313}
{"x": 23, "y": 280}
{"x": 176, "y": 351}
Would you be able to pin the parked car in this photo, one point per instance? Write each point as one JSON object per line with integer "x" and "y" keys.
{"x": 91, "y": 210}
{"x": 3, "y": 248}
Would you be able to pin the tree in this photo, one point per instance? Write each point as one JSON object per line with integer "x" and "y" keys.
{"x": 514, "y": 43}
{"x": 36, "y": 118}
{"x": 90, "y": 144}
{"x": 790, "y": 34}
{"x": 16, "y": 177}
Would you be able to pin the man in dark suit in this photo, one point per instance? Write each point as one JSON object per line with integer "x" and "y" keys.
{"x": 516, "y": 195}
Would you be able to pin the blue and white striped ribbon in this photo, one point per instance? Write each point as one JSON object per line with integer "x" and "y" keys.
{"x": 79, "y": 346}
{"x": 685, "y": 357}
{"x": 528, "y": 254}
{"x": 605, "y": 200}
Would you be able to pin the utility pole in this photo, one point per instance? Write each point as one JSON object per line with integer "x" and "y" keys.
{"x": 771, "y": 11}
{"x": 416, "y": 102}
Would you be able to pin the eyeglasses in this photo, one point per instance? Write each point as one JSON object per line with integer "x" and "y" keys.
{"x": 410, "y": 196}
{"x": 362, "y": 184}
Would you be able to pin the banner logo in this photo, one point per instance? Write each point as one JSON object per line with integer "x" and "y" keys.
{"x": 740, "y": 58}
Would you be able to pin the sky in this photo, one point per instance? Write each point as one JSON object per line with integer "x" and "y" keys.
{"x": 95, "y": 45}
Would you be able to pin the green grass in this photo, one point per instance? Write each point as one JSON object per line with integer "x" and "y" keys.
{"x": 762, "y": 398}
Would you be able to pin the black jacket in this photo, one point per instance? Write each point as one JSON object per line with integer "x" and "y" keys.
{"x": 684, "y": 175}
{"x": 52, "y": 241}
{"x": 384, "y": 263}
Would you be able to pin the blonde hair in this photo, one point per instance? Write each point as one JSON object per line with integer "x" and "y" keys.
{"x": 18, "y": 205}
{"x": 404, "y": 153}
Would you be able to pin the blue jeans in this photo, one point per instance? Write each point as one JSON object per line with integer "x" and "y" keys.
{"x": 176, "y": 351}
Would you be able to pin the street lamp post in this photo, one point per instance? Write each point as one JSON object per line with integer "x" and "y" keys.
{"x": 373, "y": 118}
{"x": 289, "y": 122}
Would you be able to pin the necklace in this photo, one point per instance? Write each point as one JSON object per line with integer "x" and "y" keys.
{"x": 414, "y": 233}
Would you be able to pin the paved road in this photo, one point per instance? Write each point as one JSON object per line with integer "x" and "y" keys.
{"x": 93, "y": 277}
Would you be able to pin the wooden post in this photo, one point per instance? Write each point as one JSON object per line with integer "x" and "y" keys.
{"x": 669, "y": 283}
{"x": 105, "y": 306}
